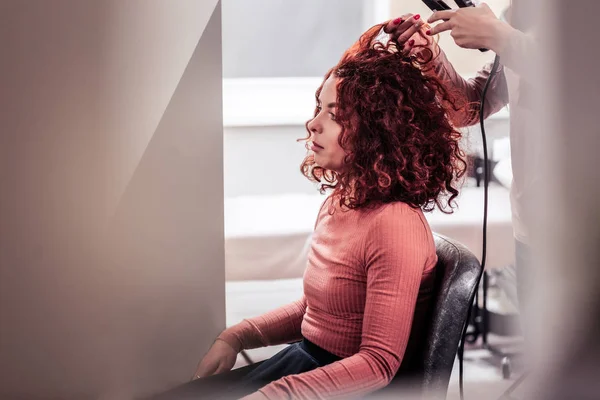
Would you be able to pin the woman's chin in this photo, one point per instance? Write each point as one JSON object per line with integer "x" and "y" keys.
{"x": 325, "y": 163}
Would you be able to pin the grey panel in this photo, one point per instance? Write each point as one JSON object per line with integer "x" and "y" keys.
{"x": 278, "y": 38}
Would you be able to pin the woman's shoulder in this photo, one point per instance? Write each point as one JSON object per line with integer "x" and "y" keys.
{"x": 382, "y": 217}
{"x": 398, "y": 216}
{"x": 398, "y": 225}
{"x": 397, "y": 209}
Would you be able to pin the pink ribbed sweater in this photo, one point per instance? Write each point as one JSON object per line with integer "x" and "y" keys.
{"x": 369, "y": 274}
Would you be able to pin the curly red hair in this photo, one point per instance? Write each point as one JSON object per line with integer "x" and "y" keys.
{"x": 399, "y": 141}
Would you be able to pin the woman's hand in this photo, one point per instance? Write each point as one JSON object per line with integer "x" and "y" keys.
{"x": 472, "y": 27}
{"x": 220, "y": 358}
{"x": 408, "y": 31}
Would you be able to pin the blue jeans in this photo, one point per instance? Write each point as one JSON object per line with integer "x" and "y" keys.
{"x": 295, "y": 359}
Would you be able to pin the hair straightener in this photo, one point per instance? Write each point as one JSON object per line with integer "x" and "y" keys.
{"x": 440, "y": 5}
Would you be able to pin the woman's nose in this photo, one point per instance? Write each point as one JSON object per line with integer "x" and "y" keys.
{"x": 314, "y": 126}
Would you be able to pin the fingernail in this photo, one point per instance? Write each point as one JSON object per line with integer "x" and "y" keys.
{"x": 411, "y": 42}
{"x": 397, "y": 21}
{"x": 417, "y": 16}
{"x": 428, "y": 32}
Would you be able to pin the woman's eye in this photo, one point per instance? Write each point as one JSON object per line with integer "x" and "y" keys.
{"x": 332, "y": 115}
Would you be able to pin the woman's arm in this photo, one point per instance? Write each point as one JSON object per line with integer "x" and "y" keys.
{"x": 396, "y": 255}
{"x": 279, "y": 326}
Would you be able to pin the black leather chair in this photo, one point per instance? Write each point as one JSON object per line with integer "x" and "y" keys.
{"x": 428, "y": 370}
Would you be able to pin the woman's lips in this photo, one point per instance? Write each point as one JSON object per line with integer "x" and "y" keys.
{"x": 316, "y": 147}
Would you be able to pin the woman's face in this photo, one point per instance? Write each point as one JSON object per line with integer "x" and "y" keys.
{"x": 325, "y": 131}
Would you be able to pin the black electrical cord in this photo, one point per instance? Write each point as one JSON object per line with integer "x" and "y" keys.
{"x": 486, "y": 179}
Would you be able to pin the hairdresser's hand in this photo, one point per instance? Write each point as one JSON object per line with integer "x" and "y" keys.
{"x": 220, "y": 358}
{"x": 408, "y": 31}
{"x": 472, "y": 27}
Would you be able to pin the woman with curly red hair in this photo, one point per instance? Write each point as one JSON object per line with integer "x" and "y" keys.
{"x": 381, "y": 144}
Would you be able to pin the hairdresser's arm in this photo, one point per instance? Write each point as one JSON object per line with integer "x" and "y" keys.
{"x": 279, "y": 326}
{"x": 495, "y": 100}
{"x": 478, "y": 27}
{"x": 514, "y": 48}
{"x": 410, "y": 33}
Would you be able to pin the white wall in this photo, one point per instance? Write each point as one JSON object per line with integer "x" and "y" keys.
{"x": 111, "y": 210}
{"x": 264, "y": 160}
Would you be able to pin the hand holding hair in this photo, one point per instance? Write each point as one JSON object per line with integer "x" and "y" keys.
{"x": 408, "y": 31}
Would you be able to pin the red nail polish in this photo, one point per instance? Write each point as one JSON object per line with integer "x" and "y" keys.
{"x": 411, "y": 42}
{"x": 397, "y": 21}
{"x": 428, "y": 32}
{"x": 416, "y": 17}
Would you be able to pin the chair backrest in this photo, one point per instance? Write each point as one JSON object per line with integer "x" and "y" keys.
{"x": 457, "y": 275}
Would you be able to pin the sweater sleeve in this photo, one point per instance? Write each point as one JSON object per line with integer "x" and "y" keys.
{"x": 279, "y": 326}
{"x": 397, "y": 249}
